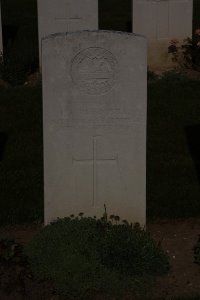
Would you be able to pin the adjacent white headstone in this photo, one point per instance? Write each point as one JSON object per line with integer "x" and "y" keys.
{"x": 1, "y": 38}
{"x": 160, "y": 21}
{"x": 94, "y": 114}
{"x": 56, "y": 16}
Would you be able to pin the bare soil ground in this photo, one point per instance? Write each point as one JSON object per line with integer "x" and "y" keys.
{"x": 177, "y": 237}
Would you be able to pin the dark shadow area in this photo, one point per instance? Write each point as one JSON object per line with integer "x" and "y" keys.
{"x": 196, "y": 10}
{"x": 9, "y": 33}
{"x": 3, "y": 140}
{"x": 193, "y": 139}
{"x": 115, "y": 15}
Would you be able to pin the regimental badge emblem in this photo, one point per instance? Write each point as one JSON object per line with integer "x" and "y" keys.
{"x": 94, "y": 71}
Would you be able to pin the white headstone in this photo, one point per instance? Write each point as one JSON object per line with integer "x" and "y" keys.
{"x": 56, "y": 16}
{"x": 1, "y": 38}
{"x": 94, "y": 114}
{"x": 162, "y": 20}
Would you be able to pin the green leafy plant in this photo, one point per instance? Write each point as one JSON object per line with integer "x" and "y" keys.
{"x": 86, "y": 255}
{"x": 130, "y": 250}
{"x": 174, "y": 76}
{"x": 186, "y": 54}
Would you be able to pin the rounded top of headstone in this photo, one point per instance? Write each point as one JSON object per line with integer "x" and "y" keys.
{"x": 86, "y": 33}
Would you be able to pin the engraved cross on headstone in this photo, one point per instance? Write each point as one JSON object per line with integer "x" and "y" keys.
{"x": 66, "y": 15}
{"x": 95, "y": 161}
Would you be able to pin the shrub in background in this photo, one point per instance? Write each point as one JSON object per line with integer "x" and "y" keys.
{"x": 151, "y": 76}
{"x": 85, "y": 255}
{"x": 10, "y": 250}
{"x": 174, "y": 76}
{"x": 18, "y": 63}
{"x": 20, "y": 37}
{"x": 196, "y": 250}
{"x": 187, "y": 55}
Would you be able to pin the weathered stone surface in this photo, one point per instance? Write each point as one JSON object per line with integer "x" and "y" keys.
{"x": 55, "y": 16}
{"x": 160, "y": 21}
{"x": 94, "y": 106}
{"x": 163, "y": 19}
